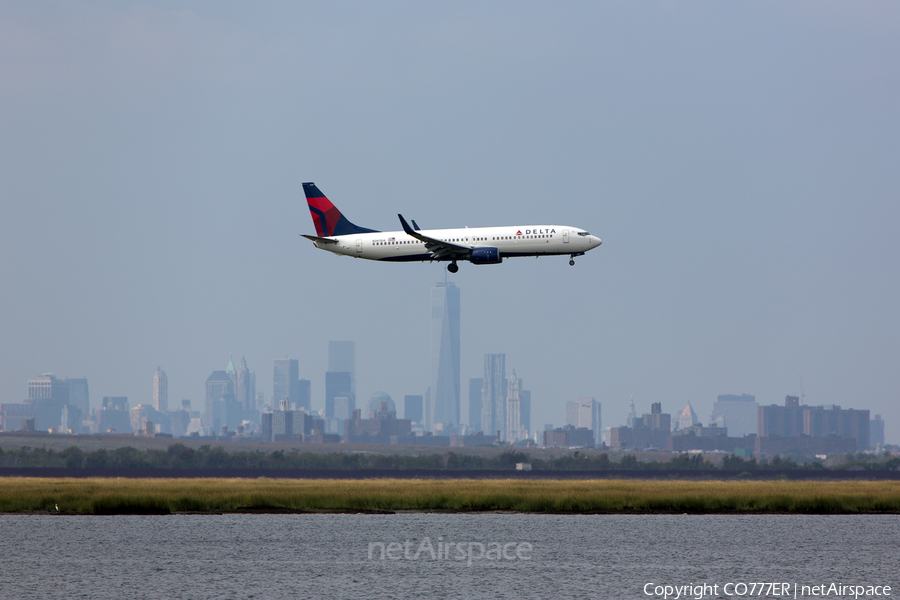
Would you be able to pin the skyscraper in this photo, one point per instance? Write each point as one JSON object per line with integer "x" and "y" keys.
{"x": 445, "y": 353}
{"x": 687, "y": 418}
{"x": 342, "y": 357}
{"x": 338, "y": 384}
{"x": 242, "y": 385}
{"x": 738, "y": 413}
{"x": 79, "y": 396}
{"x": 493, "y": 394}
{"x": 412, "y": 408}
{"x": 219, "y": 393}
{"x": 514, "y": 429}
{"x": 286, "y": 381}
{"x": 160, "y": 390}
{"x": 585, "y": 412}
{"x": 589, "y": 417}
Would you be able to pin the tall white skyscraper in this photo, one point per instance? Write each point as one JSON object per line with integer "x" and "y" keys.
{"x": 515, "y": 428}
{"x": 160, "y": 390}
{"x": 493, "y": 394}
{"x": 445, "y": 354}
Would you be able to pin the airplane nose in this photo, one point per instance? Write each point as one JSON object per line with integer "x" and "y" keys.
{"x": 597, "y": 240}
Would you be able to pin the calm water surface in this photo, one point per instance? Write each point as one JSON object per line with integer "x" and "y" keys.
{"x": 329, "y": 556}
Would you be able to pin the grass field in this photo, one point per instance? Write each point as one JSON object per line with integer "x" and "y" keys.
{"x": 162, "y": 496}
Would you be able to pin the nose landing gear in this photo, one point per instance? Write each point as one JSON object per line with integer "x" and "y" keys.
{"x": 572, "y": 258}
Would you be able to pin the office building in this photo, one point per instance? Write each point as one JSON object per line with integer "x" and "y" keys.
{"x": 876, "y": 432}
{"x": 792, "y": 420}
{"x": 738, "y": 413}
{"x": 589, "y": 417}
{"x": 160, "y": 390}
{"x": 514, "y": 430}
{"x": 687, "y": 418}
{"x": 584, "y": 413}
{"x": 445, "y": 380}
{"x": 220, "y": 403}
{"x": 79, "y": 397}
{"x": 412, "y": 408}
{"x": 339, "y": 384}
{"x": 375, "y": 402}
{"x": 286, "y": 382}
{"x": 342, "y": 358}
{"x": 493, "y": 394}
{"x": 114, "y": 416}
{"x": 244, "y": 387}
{"x": 305, "y": 401}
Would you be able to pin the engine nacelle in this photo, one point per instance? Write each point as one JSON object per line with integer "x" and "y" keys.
{"x": 485, "y": 256}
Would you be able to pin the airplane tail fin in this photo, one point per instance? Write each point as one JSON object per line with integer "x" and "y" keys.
{"x": 326, "y": 217}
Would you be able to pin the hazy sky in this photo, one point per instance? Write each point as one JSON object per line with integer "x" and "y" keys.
{"x": 740, "y": 161}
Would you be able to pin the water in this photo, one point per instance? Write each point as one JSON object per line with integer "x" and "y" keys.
{"x": 328, "y": 556}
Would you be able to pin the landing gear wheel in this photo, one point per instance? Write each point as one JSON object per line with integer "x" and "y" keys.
{"x": 571, "y": 262}
{"x": 453, "y": 267}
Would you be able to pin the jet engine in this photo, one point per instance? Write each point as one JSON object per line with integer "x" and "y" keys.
{"x": 485, "y": 256}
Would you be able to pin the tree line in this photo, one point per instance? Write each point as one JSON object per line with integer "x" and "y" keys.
{"x": 180, "y": 456}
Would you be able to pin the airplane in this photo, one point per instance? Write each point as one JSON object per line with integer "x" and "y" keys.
{"x": 478, "y": 245}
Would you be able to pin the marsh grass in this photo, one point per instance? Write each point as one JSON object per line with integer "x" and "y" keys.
{"x": 162, "y": 496}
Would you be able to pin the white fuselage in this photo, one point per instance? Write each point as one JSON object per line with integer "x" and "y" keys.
{"x": 531, "y": 240}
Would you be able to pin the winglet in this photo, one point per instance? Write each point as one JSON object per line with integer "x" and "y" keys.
{"x": 406, "y": 227}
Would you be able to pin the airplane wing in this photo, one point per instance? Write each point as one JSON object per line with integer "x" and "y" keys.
{"x": 313, "y": 238}
{"x": 439, "y": 249}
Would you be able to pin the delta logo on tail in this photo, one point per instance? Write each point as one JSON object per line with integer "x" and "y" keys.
{"x": 477, "y": 245}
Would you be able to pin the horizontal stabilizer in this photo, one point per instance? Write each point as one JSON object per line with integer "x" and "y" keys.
{"x": 313, "y": 238}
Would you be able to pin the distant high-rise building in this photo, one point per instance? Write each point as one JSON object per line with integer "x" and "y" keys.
{"x": 584, "y": 413}
{"x": 286, "y": 381}
{"x": 475, "y": 385}
{"x": 79, "y": 397}
{"x": 572, "y": 413}
{"x": 160, "y": 390}
{"x": 47, "y": 396}
{"x": 242, "y": 387}
{"x": 525, "y": 409}
{"x": 687, "y": 418}
{"x": 589, "y": 417}
{"x": 48, "y": 387}
{"x": 445, "y": 353}
{"x": 342, "y": 358}
{"x": 114, "y": 416}
{"x": 338, "y": 384}
{"x": 219, "y": 397}
{"x": 374, "y": 404}
{"x": 737, "y": 413}
{"x": 412, "y": 408}
{"x": 632, "y": 416}
{"x": 493, "y": 394}
{"x": 305, "y": 400}
{"x": 514, "y": 430}
{"x": 657, "y": 420}
{"x": 876, "y": 432}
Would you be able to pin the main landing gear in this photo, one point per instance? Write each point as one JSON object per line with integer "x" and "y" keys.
{"x": 453, "y": 267}
{"x": 572, "y": 258}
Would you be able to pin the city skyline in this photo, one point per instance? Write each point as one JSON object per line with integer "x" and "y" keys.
{"x": 746, "y": 197}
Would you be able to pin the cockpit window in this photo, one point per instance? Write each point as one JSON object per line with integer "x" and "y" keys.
{"x": 583, "y": 233}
